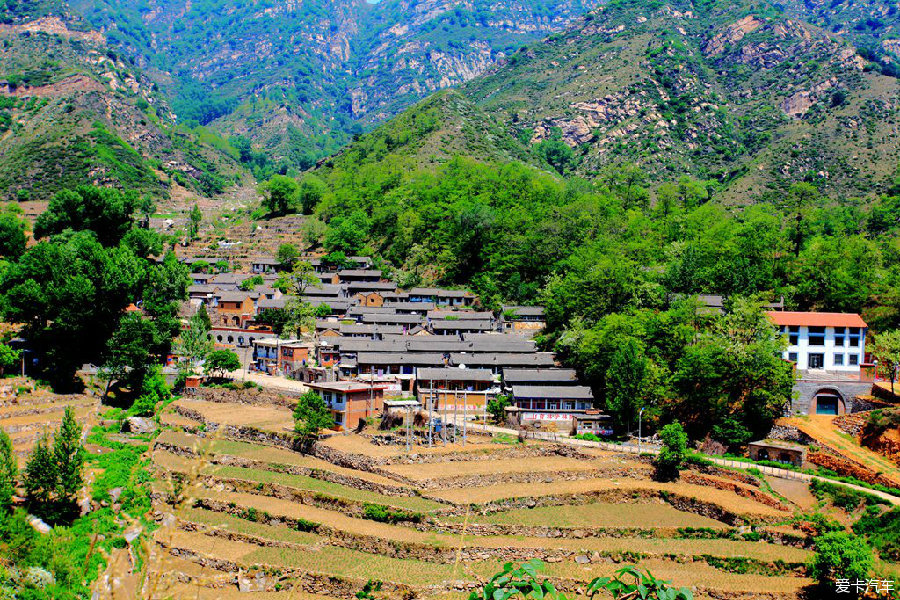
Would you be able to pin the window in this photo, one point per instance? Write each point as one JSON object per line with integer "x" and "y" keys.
{"x": 854, "y": 360}
{"x": 838, "y": 359}
{"x": 839, "y": 336}
{"x": 816, "y": 336}
{"x": 816, "y": 361}
{"x": 792, "y": 356}
{"x": 794, "y": 335}
{"x": 854, "y": 337}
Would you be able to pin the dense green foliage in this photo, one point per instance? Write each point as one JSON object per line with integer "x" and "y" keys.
{"x": 311, "y": 416}
{"x": 54, "y": 474}
{"x": 71, "y": 289}
{"x": 521, "y": 581}
{"x": 672, "y": 454}
{"x": 219, "y": 362}
{"x": 882, "y": 530}
{"x": 63, "y": 563}
{"x": 840, "y": 555}
{"x": 9, "y": 471}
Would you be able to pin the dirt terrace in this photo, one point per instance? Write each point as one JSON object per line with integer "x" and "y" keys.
{"x": 240, "y": 507}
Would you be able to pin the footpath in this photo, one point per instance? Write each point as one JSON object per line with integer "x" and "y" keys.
{"x": 649, "y": 449}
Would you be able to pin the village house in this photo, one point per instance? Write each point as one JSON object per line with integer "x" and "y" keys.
{"x": 554, "y": 377}
{"x": 282, "y": 357}
{"x": 350, "y": 401}
{"x": 233, "y": 309}
{"x": 358, "y": 275}
{"x": 829, "y": 341}
{"x": 551, "y": 404}
{"x": 828, "y": 351}
{"x": 369, "y": 299}
{"x": 264, "y": 265}
{"x": 528, "y": 319}
{"x": 449, "y": 387}
{"x": 780, "y": 451}
{"x": 442, "y": 297}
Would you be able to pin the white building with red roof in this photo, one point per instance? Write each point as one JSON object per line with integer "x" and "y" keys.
{"x": 828, "y": 351}
{"x": 823, "y": 341}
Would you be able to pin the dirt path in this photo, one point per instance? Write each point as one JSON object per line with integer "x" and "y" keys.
{"x": 821, "y": 429}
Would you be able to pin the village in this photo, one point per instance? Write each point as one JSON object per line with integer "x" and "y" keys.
{"x": 377, "y": 350}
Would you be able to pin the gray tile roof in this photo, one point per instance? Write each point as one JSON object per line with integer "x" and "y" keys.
{"x": 453, "y": 374}
{"x": 552, "y": 392}
{"x": 558, "y": 376}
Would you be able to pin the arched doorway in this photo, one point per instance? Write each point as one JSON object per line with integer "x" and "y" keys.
{"x": 828, "y": 401}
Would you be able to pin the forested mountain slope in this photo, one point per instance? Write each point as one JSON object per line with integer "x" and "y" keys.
{"x": 640, "y": 156}
{"x": 298, "y": 79}
{"x": 73, "y": 111}
{"x": 736, "y": 93}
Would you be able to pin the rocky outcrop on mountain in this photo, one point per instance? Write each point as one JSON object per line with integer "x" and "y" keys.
{"x": 749, "y": 99}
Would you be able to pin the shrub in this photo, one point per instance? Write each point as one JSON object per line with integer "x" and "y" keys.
{"x": 883, "y": 532}
{"x": 670, "y": 458}
{"x": 384, "y": 514}
{"x": 840, "y": 555}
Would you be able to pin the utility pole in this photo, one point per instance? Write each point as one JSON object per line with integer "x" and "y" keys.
{"x": 465, "y": 415}
{"x": 640, "y": 418}
{"x": 431, "y": 413}
{"x": 371, "y": 390}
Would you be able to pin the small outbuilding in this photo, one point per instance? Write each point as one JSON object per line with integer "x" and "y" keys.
{"x": 780, "y": 451}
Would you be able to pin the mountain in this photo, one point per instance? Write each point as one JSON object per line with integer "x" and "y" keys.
{"x": 299, "y": 79}
{"x": 72, "y": 110}
{"x": 739, "y": 95}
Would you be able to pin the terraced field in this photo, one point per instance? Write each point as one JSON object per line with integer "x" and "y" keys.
{"x": 252, "y": 514}
{"x": 27, "y": 413}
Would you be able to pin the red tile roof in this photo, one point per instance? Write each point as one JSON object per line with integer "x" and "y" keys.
{"x": 816, "y": 319}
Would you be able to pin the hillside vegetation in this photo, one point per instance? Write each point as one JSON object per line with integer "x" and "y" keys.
{"x": 73, "y": 111}
{"x": 300, "y": 79}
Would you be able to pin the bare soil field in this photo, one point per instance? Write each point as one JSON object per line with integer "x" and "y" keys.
{"x": 601, "y": 514}
{"x": 548, "y": 464}
{"x": 263, "y": 417}
{"x": 727, "y": 500}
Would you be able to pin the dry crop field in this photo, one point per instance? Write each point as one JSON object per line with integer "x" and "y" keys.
{"x": 240, "y": 510}
{"x": 27, "y": 412}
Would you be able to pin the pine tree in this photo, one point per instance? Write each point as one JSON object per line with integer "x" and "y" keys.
{"x": 9, "y": 469}
{"x": 68, "y": 454}
{"x": 40, "y": 477}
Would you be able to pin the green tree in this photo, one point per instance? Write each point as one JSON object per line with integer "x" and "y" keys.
{"x": 348, "y": 234}
{"x": 128, "y": 352}
{"x": 9, "y": 472}
{"x": 628, "y": 583}
{"x": 40, "y": 479}
{"x": 251, "y": 282}
{"x": 840, "y": 555}
{"x": 194, "y": 219}
{"x": 68, "y": 456}
{"x": 287, "y": 255}
{"x": 194, "y": 343}
{"x": 311, "y": 416}
{"x": 12, "y": 236}
{"x": 107, "y": 212}
{"x": 312, "y": 189}
{"x": 799, "y": 198}
{"x": 280, "y": 194}
{"x": 497, "y": 408}
{"x": 672, "y": 454}
{"x": 220, "y": 362}
{"x": 886, "y": 350}
{"x": 9, "y": 358}
{"x": 154, "y": 391}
